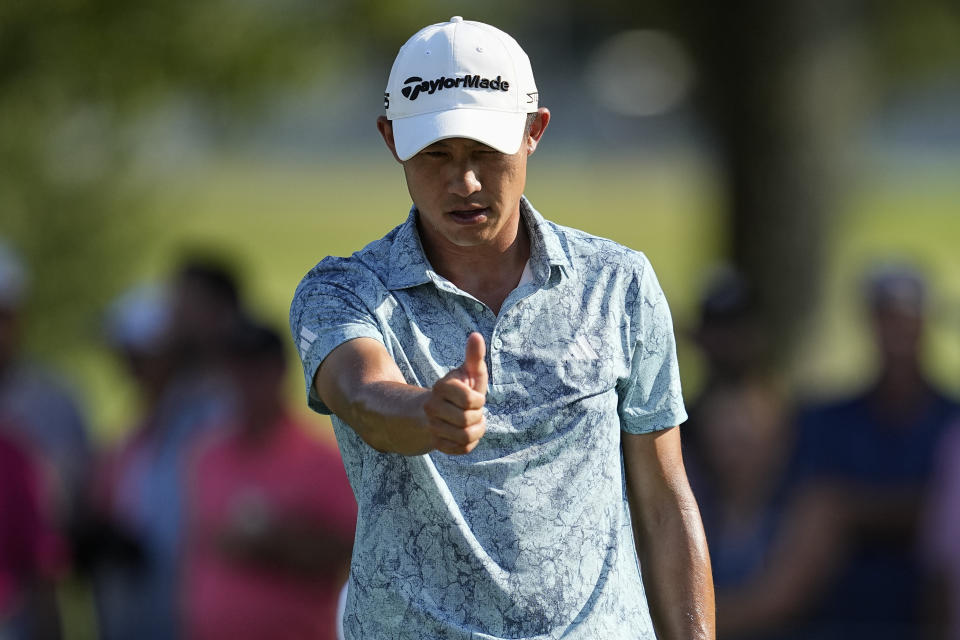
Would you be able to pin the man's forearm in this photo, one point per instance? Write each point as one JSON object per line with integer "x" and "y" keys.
{"x": 389, "y": 417}
{"x": 669, "y": 535}
{"x": 676, "y": 572}
{"x": 361, "y": 383}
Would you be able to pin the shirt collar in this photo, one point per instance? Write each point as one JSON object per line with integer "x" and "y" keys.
{"x": 409, "y": 266}
{"x": 408, "y": 262}
{"x": 545, "y": 244}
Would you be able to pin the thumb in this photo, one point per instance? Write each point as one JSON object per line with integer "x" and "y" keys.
{"x": 473, "y": 363}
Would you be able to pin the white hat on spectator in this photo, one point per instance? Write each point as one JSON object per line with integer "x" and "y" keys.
{"x": 138, "y": 320}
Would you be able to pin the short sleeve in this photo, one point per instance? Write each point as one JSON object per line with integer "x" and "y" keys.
{"x": 332, "y": 305}
{"x": 650, "y": 399}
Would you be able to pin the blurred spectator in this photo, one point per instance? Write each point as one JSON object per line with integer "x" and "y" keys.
{"x": 730, "y": 332}
{"x": 205, "y": 304}
{"x": 115, "y": 544}
{"x": 746, "y": 443}
{"x": 30, "y": 552}
{"x": 35, "y": 404}
{"x": 172, "y": 343}
{"x": 138, "y": 329}
{"x": 732, "y": 341}
{"x": 754, "y": 526}
{"x": 271, "y": 514}
{"x": 877, "y": 451}
{"x": 849, "y": 564}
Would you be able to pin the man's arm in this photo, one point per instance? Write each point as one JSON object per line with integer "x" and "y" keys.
{"x": 810, "y": 546}
{"x": 361, "y": 383}
{"x": 295, "y": 545}
{"x": 669, "y": 537}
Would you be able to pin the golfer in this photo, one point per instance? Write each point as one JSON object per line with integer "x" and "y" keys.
{"x": 504, "y": 390}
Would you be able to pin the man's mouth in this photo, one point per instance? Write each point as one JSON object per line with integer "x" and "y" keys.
{"x": 470, "y": 216}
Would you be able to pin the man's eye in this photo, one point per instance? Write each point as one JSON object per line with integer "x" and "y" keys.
{"x": 434, "y": 154}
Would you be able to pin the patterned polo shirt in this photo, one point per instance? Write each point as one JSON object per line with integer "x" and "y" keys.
{"x": 529, "y": 535}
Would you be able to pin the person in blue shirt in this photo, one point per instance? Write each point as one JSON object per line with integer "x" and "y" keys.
{"x": 875, "y": 450}
{"x": 504, "y": 390}
{"x": 845, "y": 561}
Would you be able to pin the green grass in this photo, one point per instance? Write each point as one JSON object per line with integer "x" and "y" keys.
{"x": 278, "y": 219}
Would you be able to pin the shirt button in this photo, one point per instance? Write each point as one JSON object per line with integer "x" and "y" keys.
{"x": 497, "y": 343}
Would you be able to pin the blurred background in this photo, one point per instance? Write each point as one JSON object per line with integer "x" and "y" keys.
{"x": 792, "y": 170}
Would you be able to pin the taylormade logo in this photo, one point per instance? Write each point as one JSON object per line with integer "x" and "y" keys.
{"x": 415, "y": 85}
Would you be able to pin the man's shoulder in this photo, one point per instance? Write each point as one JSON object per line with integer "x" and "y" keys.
{"x": 371, "y": 263}
{"x": 596, "y": 252}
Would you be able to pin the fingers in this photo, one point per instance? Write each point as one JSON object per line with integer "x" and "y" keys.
{"x": 455, "y": 439}
{"x": 462, "y": 440}
{"x": 473, "y": 363}
{"x": 454, "y": 409}
{"x": 458, "y": 393}
{"x": 454, "y": 414}
{"x": 454, "y": 449}
{"x": 455, "y": 404}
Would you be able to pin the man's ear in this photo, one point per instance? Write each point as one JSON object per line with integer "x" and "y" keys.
{"x": 537, "y": 127}
{"x": 385, "y": 127}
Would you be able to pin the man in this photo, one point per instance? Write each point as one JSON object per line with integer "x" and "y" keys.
{"x": 493, "y": 495}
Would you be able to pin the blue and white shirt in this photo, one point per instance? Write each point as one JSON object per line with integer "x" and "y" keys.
{"x": 529, "y": 535}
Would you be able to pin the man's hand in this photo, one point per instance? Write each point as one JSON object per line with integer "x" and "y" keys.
{"x": 454, "y": 408}
{"x": 361, "y": 383}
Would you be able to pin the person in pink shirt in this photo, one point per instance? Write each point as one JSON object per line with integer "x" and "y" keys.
{"x": 271, "y": 517}
{"x": 31, "y": 553}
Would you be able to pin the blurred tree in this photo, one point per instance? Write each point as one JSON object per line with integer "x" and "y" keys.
{"x": 781, "y": 85}
{"x": 75, "y": 78}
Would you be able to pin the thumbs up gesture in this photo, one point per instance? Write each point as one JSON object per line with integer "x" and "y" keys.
{"x": 454, "y": 409}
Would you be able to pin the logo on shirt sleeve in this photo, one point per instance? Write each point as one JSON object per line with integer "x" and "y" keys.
{"x": 307, "y": 338}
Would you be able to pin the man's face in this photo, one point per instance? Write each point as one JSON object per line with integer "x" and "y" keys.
{"x": 898, "y": 333}
{"x": 467, "y": 193}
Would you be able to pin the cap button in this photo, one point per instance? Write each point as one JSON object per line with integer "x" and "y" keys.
{"x": 456, "y": 19}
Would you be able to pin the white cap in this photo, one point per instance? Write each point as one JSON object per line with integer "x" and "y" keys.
{"x": 460, "y": 79}
{"x": 139, "y": 319}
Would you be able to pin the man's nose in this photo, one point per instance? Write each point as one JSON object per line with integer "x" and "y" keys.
{"x": 465, "y": 183}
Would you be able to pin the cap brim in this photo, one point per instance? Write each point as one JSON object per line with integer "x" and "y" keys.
{"x": 497, "y": 129}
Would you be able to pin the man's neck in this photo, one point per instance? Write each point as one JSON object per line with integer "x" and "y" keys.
{"x": 489, "y": 272}
{"x": 901, "y": 389}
